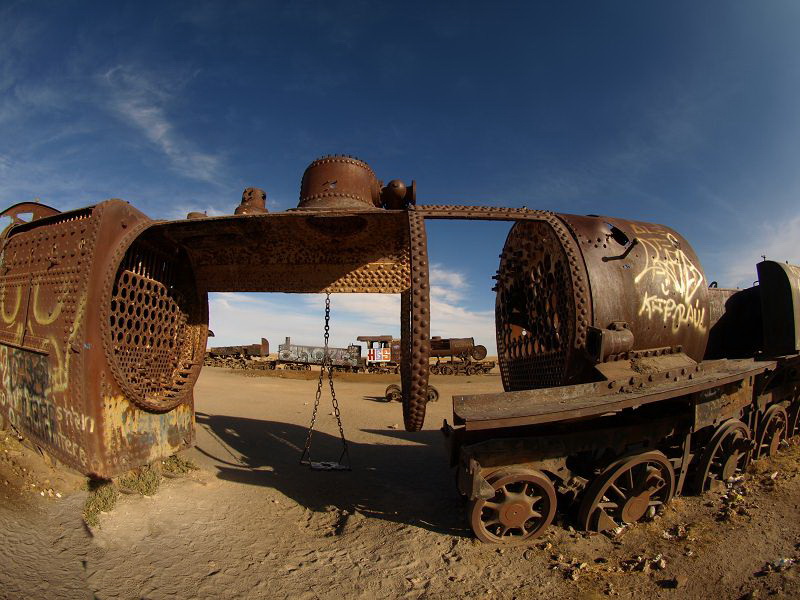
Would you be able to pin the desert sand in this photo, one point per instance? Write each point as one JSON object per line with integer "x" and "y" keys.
{"x": 253, "y": 523}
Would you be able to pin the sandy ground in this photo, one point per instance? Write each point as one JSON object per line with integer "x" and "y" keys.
{"x": 253, "y": 523}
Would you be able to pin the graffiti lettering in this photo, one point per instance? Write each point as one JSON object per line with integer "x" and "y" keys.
{"x": 26, "y": 399}
{"x": 675, "y": 277}
{"x": 673, "y": 312}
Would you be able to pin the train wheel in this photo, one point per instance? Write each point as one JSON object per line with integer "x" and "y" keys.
{"x": 446, "y": 370}
{"x": 433, "y": 394}
{"x": 726, "y": 454}
{"x": 470, "y": 370}
{"x": 478, "y": 352}
{"x": 627, "y": 491}
{"x": 523, "y": 505}
{"x": 434, "y": 369}
{"x": 393, "y": 392}
{"x": 771, "y": 430}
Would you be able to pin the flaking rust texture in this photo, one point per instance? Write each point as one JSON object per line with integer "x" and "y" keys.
{"x": 74, "y": 362}
{"x": 105, "y": 312}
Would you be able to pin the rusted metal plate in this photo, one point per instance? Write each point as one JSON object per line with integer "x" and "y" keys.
{"x": 89, "y": 302}
{"x": 486, "y": 411}
{"x": 721, "y": 402}
{"x": 780, "y": 300}
{"x": 415, "y": 328}
{"x": 300, "y": 251}
{"x": 648, "y": 276}
{"x": 736, "y": 329}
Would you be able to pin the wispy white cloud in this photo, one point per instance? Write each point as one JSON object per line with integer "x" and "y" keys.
{"x": 137, "y": 98}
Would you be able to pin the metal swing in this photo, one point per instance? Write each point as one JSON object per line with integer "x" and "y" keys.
{"x": 305, "y": 457}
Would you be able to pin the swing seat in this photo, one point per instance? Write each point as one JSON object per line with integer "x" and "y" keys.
{"x": 326, "y": 465}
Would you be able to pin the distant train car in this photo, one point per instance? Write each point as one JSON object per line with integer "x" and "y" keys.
{"x": 383, "y": 355}
{"x": 305, "y": 356}
{"x": 237, "y": 357}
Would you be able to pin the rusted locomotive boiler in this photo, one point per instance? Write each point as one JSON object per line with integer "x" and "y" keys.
{"x": 627, "y": 379}
{"x": 102, "y": 336}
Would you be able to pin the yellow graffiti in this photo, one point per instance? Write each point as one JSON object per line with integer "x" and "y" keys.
{"x": 676, "y": 279}
{"x": 678, "y": 313}
{"x": 8, "y": 319}
{"x": 42, "y": 317}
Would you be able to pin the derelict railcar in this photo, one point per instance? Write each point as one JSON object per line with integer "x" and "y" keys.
{"x": 237, "y": 357}
{"x": 295, "y": 355}
{"x": 628, "y": 379}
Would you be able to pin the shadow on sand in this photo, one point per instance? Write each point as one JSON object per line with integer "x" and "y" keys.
{"x": 407, "y": 483}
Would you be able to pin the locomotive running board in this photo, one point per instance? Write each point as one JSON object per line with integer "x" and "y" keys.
{"x": 533, "y": 407}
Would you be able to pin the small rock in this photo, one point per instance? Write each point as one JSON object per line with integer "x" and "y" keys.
{"x": 528, "y": 554}
{"x": 660, "y": 564}
{"x": 395, "y": 426}
{"x": 573, "y": 575}
{"x": 679, "y": 581}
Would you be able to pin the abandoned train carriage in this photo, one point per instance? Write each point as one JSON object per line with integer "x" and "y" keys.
{"x": 628, "y": 379}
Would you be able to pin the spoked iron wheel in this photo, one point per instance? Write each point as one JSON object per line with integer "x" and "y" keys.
{"x": 393, "y": 392}
{"x": 523, "y": 505}
{"x": 626, "y": 491}
{"x": 771, "y": 431}
{"x": 433, "y": 394}
{"x": 726, "y": 454}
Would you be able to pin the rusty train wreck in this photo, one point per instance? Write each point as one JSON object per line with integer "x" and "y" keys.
{"x": 627, "y": 378}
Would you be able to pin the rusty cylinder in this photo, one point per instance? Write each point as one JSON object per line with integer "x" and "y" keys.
{"x": 564, "y": 278}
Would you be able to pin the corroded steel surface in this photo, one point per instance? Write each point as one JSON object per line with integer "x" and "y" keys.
{"x": 254, "y": 202}
{"x": 300, "y": 251}
{"x": 79, "y": 372}
{"x": 339, "y": 183}
{"x": 461, "y": 347}
{"x": 646, "y": 290}
{"x": 416, "y": 331}
{"x": 780, "y": 302}
{"x": 24, "y": 212}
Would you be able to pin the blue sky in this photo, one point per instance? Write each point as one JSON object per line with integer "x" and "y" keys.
{"x": 682, "y": 113}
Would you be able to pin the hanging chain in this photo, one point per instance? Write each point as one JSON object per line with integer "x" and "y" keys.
{"x": 327, "y": 362}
